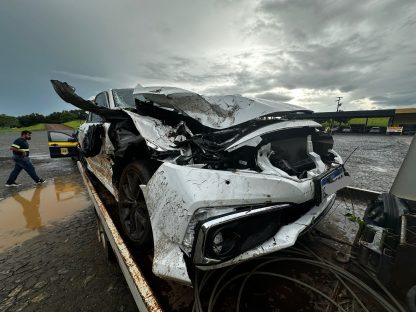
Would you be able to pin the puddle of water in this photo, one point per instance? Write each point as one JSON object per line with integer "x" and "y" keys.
{"x": 23, "y": 214}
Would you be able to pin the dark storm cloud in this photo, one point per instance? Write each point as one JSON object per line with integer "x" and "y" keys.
{"x": 362, "y": 48}
{"x": 96, "y": 45}
{"x": 307, "y": 52}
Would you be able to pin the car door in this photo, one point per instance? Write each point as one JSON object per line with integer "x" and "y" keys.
{"x": 62, "y": 144}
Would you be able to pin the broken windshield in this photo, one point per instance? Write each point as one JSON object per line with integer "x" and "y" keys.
{"x": 123, "y": 97}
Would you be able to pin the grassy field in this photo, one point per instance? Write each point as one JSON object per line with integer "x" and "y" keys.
{"x": 372, "y": 122}
{"x": 74, "y": 124}
{"x": 37, "y": 127}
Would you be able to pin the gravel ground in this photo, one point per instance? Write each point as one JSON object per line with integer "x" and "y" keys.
{"x": 375, "y": 163}
{"x": 64, "y": 268}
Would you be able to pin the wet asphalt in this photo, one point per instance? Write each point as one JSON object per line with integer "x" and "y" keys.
{"x": 63, "y": 267}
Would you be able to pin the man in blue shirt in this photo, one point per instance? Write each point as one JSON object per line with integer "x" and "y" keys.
{"x": 20, "y": 149}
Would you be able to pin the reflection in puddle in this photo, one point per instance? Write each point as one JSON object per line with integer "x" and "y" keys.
{"x": 23, "y": 214}
{"x": 30, "y": 209}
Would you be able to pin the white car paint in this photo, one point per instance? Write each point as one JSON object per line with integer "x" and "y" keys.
{"x": 175, "y": 192}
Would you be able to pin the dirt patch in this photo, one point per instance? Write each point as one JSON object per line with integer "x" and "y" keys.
{"x": 57, "y": 127}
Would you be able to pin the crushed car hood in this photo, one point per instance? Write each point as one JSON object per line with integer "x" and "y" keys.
{"x": 217, "y": 112}
{"x": 171, "y": 118}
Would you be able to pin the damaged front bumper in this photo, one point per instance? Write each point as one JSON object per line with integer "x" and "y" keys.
{"x": 262, "y": 213}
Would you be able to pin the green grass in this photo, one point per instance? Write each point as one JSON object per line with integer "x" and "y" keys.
{"x": 74, "y": 124}
{"x": 37, "y": 127}
{"x": 372, "y": 122}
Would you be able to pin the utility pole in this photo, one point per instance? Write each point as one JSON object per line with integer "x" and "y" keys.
{"x": 338, "y": 100}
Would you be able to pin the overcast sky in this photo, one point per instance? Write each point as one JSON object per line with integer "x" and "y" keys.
{"x": 299, "y": 51}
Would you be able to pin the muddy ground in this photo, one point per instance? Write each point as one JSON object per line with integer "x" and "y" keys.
{"x": 63, "y": 266}
{"x": 62, "y": 269}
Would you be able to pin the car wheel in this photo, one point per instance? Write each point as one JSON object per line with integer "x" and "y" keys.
{"x": 133, "y": 213}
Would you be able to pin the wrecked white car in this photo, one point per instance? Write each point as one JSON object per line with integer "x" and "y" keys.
{"x": 207, "y": 181}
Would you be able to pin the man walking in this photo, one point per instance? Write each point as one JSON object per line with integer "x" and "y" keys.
{"x": 20, "y": 149}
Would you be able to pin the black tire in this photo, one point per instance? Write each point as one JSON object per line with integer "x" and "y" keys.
{"x": 132, "y": 209}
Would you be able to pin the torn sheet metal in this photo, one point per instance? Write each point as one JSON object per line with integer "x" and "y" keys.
{"x": 217, "y": 112}
{"x": 154, "y": 132}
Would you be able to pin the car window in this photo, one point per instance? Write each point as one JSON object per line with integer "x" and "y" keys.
{"x": 102, "y": 100}
{"x": 59, "y": 137}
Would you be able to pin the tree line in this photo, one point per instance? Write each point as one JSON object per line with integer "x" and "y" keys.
{"x": 35, "y": 118}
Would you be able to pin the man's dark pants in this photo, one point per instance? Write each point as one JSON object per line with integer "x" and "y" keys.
{"x": 22, "y": 163}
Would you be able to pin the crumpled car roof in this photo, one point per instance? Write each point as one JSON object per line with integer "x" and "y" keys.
{"x": 218, "y": 112}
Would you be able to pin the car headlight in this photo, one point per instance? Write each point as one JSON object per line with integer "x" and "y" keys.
{"x": 224, "y": 237}
{"x": 223, "y": 242}
{"x": 200, "y": 215}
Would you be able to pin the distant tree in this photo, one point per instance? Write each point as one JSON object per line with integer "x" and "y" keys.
{"x": 64, "y": 116}
{"x": 8, "y": 121}
{"x": 35, "y": 118}
{"x": 31, "y": 119}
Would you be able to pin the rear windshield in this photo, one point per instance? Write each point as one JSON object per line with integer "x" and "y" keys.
{"x": 123, "y": 97}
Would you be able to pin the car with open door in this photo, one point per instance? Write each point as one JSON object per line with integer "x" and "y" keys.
{"x": 62, "y": 144}
{"x": 207, "y": 181}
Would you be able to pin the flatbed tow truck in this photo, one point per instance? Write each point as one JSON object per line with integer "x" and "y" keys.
{"x": 342, "y": 275}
